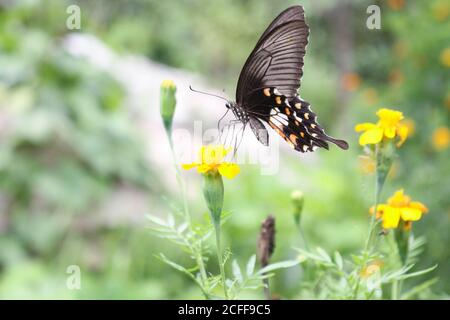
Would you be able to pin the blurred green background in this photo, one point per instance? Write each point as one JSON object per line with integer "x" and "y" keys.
{"x": 68, "y": 142}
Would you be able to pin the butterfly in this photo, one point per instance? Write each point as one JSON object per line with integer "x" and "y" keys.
{"x": 268, "y": 84}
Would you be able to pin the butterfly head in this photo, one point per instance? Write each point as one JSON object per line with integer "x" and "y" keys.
{"x": 230, "y": 105}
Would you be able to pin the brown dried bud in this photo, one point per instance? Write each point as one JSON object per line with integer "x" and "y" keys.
{"x": 266, "y": 240}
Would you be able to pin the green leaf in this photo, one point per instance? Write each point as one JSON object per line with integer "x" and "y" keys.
{"x": 278, "y": 265}
{"x": 417, "y": 273}
{"x": 251, "y": 265}
{"x": 323, "y": 254}
{"x": 339, "y": 261}
{"x": 156, "y": 220}
{"x": 237, "y": 271}
{"x": 415, "y": 290}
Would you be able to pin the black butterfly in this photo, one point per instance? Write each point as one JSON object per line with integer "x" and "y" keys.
{"x": 268, "y": 84}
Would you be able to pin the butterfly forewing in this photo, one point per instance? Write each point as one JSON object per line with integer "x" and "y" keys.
{"x": 269, "y": 81}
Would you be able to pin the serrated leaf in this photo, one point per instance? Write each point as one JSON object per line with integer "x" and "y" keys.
{"x": 251, "y": 265}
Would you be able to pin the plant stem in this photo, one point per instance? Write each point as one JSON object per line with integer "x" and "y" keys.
{"x": 187, "y": 216}
{"x": 302, "y": 234}
{"x": 266, "y": 289}
{"x": 379, "y": 181}
{"x": 220, "y": 258}
{"x": 395, "y": 290}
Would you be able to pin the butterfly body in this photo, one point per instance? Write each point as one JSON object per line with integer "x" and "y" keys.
{"x": 268, "y": 85}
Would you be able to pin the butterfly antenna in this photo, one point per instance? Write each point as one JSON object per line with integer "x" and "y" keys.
{"x": 207, "y": 93}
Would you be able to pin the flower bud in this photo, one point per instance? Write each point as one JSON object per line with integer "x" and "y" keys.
{"x": 266, "y": 241}
{"x": 298, "y": 200}
{"x": 167, "y": 103}
{"x": 213, "y": 194}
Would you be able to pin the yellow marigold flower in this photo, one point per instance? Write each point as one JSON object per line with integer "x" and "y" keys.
{"x": 441, "y": 138}
{"x": 211, "y": 160}
{"x": 399, "y": 206}
{"x": 441, "y": 11}
{"x": 445, "y": 57}
{"x": 372, "y": 268}
{"x": 389, "y": 126}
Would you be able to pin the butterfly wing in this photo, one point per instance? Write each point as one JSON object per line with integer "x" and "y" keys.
{"x": 259, "y": 130}
{"x": 292, "y": 118}
{"x": 277, "y": 59}
{"x": 269, "y": 81}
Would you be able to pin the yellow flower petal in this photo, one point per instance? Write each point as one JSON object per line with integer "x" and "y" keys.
{"x": 188, "y": 166}
{"x": 229, "y": 170}
{"x": 391, "y": 217}
{"x": 371, "y": 136}
{"x": 212, "y": 154}
{"x": 399, "y": 199}
{"x": 389, "y": 132}
{"x": 380, "y": 210}
{"x": 204, "y": 168}
{"x": 389, "y": 116}
{"x": 364, "y": 126}
{"x": 410, "y": 214}
{"x": 402, "y": 132}
{"x": 418, "y": 205}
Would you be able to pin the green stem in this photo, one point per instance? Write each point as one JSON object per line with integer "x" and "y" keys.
{"x": 220, "y": 257}
{"x": 395, "y": 290}
{"x": 187, "y": 216}
{"x": 302, "y": 234}
{"x": 379, "y": 182}
{"x": 306, "y": 269}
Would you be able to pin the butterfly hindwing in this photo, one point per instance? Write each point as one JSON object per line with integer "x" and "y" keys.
{"x": 292, "y": 119}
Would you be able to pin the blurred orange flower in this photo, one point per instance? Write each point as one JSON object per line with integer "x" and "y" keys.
{"x": 396, "y": 77}
{"x": 445, "y": 57}
{"x": 400, "y": 49}
{"x": 351, "y": 81}
{"x": 441, "y": 138}
{"x": 372, "y": 268}
{"x": 371, "y": 95}
{"x": 399, "y": 207}
{"x": 396, "y": 4}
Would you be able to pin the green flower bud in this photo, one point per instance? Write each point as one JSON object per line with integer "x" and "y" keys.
{"x": 298, "y": 200}
{"x": 167, "y": 103}
{"x": 213, "y": 193}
